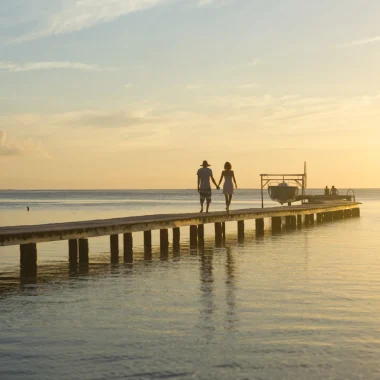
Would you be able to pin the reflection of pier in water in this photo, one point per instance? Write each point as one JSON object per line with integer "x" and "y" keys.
{"x": 208, "y": 248}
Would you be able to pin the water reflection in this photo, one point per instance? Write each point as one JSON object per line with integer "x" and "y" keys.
{"x": 207, "y": 309}
{"x": 230, "y": 288}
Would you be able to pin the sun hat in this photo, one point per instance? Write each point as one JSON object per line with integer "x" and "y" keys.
{"x": 205, "y": 163}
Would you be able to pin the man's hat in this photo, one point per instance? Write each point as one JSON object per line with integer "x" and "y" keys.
{"x": 205, "y": 163}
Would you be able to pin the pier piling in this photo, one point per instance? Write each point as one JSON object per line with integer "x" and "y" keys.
{"x": 128, "y": 247}
{"x": 147, "y": 240}
{"x": 276, "y": 224}
{"x": 240, "y": 227}
{"x": 114, "y": 245}
{"x": 73, "y": 252}
{"x": 164, "y": 239}
{"x": 259, "y": 223}
{"x": 193, "y": 236}
{"x": 83, "y": 251}
{"x": 28, "y": 262}
{"x": 176, "y": 238}
{"x": 218, "y": 233}
{"x": 201, "y": 233}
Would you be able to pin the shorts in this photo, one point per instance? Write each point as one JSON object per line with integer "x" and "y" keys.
{"x": 205, "y": 194}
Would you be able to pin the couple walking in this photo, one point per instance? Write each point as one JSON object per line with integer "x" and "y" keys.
{"x": 204, "y": 186}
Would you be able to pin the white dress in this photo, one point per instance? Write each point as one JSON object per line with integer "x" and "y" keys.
{"x": 228, "y": 187}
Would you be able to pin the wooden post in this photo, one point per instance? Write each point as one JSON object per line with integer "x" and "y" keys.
{"x": 147, "y": 240}
{"x": 299, "y": 220}
{"x": 83, "y": 251}
{"x": 73, "y": 252}
{"x": 218, "y": 233}
{"x": 193, "y": 236}
{"x": 201, "y": 233}
{"x": 348, "y": 213}
{"x": 224, "y": 230}
{"x": 164, "y": 243}
{"x": 319, "y": 217}
{"x": 240, "y": 226}
{"x": 356, "y": 212}
{"x": 276, "y": 224}
{"x": 28, "y": 262}
{"x": 128, "y": 247}
{"x": 164, "y": 239}
{"x": 311, "y": 219}
{"x": 290, "y": 221}
{"x": 114, "y": 245}
{"x": 259, "y": 225}
{"x": 176, "y": 238}
{"x": 328, "y": 216}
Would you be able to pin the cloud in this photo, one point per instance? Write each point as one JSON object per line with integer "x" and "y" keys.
{"x": 246, "y": 86}
{"x": 34, "y": 66}
{"x": 97, "y": 119}
{"x": 7, "y": 148}
{"x": 75, "y": 15}
{"x": 363, "y": 41}
{"x": 191, "y": 87}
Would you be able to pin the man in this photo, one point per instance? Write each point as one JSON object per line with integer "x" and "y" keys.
{"x": 334, "y": 191}
{"x": 327, "y": 191}
{"x": 204, "y": 187}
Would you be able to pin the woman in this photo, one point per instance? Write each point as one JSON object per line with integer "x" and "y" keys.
{"x": 228, "y": 187}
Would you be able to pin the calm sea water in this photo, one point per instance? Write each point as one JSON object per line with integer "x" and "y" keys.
{"x": 303, "y": 304}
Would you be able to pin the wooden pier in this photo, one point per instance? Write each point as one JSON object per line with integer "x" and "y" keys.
{"x": 77, "y": 233}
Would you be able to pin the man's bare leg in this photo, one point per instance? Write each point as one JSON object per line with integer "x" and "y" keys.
{"x": 202, "y": 202}
{"x": 208, "y": 204}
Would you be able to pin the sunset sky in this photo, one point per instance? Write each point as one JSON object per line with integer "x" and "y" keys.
{"x": 136, "y": 93}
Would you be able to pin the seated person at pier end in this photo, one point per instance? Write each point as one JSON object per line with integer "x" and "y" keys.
{"x": 334, "y": 191}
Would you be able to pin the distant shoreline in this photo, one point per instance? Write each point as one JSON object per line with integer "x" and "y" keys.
{"x": 190, "y": 189}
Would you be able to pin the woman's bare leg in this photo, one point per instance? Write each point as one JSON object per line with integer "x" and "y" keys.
{"x": 229, "y": 199}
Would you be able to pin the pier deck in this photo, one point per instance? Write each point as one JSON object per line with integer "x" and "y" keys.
{"x": 85, "y": 229}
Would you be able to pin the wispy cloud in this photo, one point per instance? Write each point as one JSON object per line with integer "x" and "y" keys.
{"x": 15, "y": 147}
{"x": 191, "y": 87}
{"x": 363, "y": 41}
{"x": 97, "y": 119}
{"x": 246, "y": 86}
{"x": 33, "y": 66}
{"x": 75, "y": 15}
{"x": 7, "y": 148}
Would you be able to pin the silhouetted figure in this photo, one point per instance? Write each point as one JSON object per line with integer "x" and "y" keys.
{"x": 27, "y": 208}
{"x": 334, "y": 191}
{"x": 327, "y": 191}
{"x": 228, "y": 187}
{"x": 203, "y": 182}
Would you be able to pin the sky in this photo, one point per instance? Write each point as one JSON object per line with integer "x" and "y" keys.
{"x": 126, "y": 94}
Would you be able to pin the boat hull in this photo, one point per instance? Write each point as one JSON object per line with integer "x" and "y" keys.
{"x": 283, "y": 194}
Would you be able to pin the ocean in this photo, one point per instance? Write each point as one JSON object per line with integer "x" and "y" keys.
{"x": 302, "y": 304}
